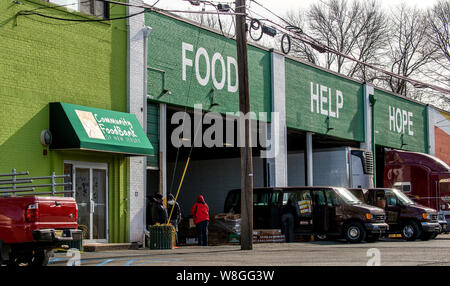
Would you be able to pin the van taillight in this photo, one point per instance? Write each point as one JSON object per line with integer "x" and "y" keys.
{"x": 32, "y": 212}
{"x": 76, "y": 212}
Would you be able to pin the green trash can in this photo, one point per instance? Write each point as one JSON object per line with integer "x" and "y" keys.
{"x": 161, "y": 237}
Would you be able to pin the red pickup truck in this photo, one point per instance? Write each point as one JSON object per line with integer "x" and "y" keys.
{"x": 31, "y": 226}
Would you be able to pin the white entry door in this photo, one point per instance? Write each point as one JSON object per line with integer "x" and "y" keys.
{"x": 90, "y": 181}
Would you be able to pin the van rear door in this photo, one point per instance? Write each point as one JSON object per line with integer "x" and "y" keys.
{"x": 302, "y": 200}
{"x": 320, "y": 221}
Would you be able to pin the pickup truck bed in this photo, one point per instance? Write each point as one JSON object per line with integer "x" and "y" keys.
{"x": 32, "y": 225}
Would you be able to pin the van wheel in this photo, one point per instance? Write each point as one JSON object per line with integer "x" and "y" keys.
{"x": 410, "y": 231}
{"x": 354, "y": 232}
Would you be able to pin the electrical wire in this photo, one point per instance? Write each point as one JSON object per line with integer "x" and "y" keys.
{"x": 297, "y": 34}
{"x": 28, "y": 13}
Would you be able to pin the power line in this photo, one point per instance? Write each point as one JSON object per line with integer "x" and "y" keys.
{"x": 28, "y": 13}
{"x": 324, "y": 48}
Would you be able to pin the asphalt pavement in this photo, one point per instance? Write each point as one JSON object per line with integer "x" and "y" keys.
{"x": 386, "y": 252}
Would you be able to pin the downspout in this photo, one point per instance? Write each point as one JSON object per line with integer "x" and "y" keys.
{"x": 146, "y": 32}
{"x": 372, "y": 101}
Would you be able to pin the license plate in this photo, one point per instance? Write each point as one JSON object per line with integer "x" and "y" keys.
{"x": 58, "y": 233}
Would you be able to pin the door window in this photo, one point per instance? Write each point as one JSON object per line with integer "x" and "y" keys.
{"x": 391, "y": 199}
{"x": 319, "y": 198}
{"x": 90, "y": 183}
{"x": 332, "y": 198}
{"x": 82, "y": 196}
{"x": 99, "y": 201}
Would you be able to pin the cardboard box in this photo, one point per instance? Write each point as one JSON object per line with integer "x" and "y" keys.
{"x": 268, "y": 235}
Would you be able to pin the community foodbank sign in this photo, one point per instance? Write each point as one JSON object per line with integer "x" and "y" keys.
{"x": 107, "y": 127}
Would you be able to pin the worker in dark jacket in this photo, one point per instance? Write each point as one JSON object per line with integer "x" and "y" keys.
{"x": 174, "y": 211}
{"x": 288, "y": 213}
{"x": 159, "y": 212}
{"x": 200, "y": 212}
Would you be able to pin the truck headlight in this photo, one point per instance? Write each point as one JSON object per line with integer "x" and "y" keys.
{"x": 368, "y": 216}
{"x": 425, "y": 215}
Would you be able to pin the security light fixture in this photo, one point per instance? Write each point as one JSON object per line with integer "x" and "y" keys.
{"x": 46, "y": 137}
{"x": 223, "y": 7}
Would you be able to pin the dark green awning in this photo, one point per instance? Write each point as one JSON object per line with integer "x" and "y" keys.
{"x": 87, "y": 128}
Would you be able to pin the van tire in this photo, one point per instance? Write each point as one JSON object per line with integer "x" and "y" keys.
{"x": 354, "y": 232}
{"x": 410, "y": 230}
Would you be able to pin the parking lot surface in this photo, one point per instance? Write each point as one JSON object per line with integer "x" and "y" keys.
{"x": 386, "y": 252}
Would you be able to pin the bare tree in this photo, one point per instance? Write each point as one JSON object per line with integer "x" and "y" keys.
{"x": 409, "y": 48}
{"x": 358, "y": 30}
{"x": 298, "y": 48}
{"x": 439, "y": 21}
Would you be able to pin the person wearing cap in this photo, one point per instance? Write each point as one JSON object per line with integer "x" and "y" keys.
{"x": 200, "y": 212}
{"x": 159, "y": 212}
{"x": 174, "y": 208}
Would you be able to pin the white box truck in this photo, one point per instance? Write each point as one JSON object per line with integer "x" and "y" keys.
{"x": 340, "y": 167}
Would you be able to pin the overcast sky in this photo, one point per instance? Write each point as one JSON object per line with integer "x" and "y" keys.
{"x": 280, "y": 7}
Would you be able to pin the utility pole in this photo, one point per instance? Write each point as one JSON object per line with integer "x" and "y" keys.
{"x": 246, "y": 151}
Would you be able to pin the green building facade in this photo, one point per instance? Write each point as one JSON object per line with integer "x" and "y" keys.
{"x": 45, "y": 60}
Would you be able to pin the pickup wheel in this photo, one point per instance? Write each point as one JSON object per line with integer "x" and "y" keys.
{"x": 410, "y": 230}
{"x": 39, "y": 258}
{"x": 354, "y": 232}
{"x": 32, "y": 258}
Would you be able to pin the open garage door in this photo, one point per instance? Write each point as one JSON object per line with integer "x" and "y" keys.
{"x": 212, "y": 171}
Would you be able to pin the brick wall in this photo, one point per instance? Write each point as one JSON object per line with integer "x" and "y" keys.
{"x": 45, "y": 60}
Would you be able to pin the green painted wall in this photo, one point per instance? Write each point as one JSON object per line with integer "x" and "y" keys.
{"x": 310, "y": 105}
{"x": 165, "y": 59}
{"x": 398, "y": 120}
{"x": 44, "y": 60}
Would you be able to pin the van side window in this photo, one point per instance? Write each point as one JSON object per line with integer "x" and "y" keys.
{"x": 261, "y": 199}
{"x": 391, "y": 199}
{"x": 302, "y": 201}
{"x": 319, "y": 198}
{"x": 381, "y": 199}
{"x": 275, "y": 197}
{"x": 332, "y": 198}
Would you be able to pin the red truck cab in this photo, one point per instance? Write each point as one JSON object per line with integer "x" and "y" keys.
{"x": 424, "y": 178}
{"x": 31, "y": 226}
